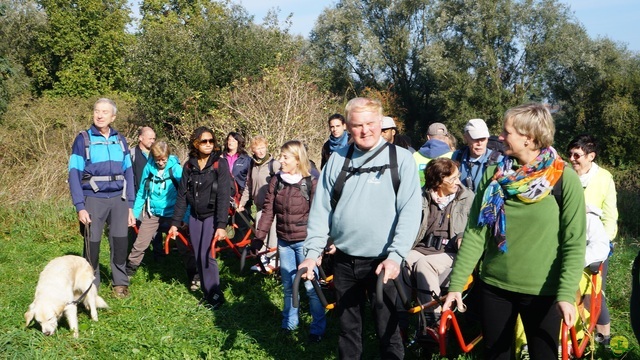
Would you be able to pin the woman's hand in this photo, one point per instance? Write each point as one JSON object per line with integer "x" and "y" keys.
{"x": 173, "y": 232}
{"x": 220, "y": 234}
{"x": 568, "y": 312}
{"x": 451, "y": 298}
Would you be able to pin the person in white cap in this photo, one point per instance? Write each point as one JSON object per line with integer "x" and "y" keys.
{"x": 390, "y": 133}
{"x": 475, "y": 157}
{"x": 437, "y": 145}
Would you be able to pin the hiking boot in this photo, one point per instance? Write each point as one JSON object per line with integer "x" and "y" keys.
{"x": 130, "y": 272}
{"x": 604, "y": 340}
{"x": 121, "y": 291}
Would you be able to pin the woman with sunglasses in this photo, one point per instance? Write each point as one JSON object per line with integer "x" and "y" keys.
{"x": 205, "y": 188}
{"x": 600, "y": 198}
{"x": 533, "y": 243}
{"x": 445, "y": 207}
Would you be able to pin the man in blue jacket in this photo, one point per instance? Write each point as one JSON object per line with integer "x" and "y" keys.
{"x": 101, "y": 185}
{"x": 372, "y": 224}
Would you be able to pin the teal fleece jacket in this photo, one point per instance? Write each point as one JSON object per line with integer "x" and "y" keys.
{"x": 545, "y": 250}
{"x": 369, "y": 220}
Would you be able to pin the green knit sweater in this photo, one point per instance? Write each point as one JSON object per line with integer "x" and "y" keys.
{"x": 545, "y": 250}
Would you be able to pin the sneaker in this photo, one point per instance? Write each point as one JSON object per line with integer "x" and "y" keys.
{"x": 314, "y": 338}
{"x": 195, "y": 283}
{"x": 121, "y": 291}
{"x": 604, "y": 340}
{"x": 524, "y": 353}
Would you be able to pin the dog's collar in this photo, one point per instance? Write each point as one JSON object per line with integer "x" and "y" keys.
{"x": 79, "y": 300}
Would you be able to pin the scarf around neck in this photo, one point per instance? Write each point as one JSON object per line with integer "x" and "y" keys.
{"x": 529, "y": 183}
{"x": 261, "y": 161}
{"x": 338, "y": 143}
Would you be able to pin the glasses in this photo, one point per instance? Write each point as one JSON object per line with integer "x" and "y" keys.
{"x": 575, "y": 155}
{"x": 206, "y": 141}
{"x": 451, "y": 181}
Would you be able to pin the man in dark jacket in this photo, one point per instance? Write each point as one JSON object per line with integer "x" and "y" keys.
{"x": 338, "y": 138}
{"x": 140, "y": 153}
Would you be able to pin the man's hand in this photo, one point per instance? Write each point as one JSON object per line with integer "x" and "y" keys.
{"x": 240, "y": 208}
{"x": 310, "y": 265}
{"x": 83, "y": 217}
{"x": 132, "y": 219}
{"x": 568, "y": 312}
{"x": 391, "y": 270}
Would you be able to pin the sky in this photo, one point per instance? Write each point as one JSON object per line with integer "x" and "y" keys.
{"x": 615, "y": 19}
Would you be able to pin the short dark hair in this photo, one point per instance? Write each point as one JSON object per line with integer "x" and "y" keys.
{"x": 585, "y": 142}
{"x": 437, "y": 170}
{"x": 240, "y": 139}
{"x": 336, "y": 116}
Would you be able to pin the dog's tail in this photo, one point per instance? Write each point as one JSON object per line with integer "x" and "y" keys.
{"x": 100, "y": 303}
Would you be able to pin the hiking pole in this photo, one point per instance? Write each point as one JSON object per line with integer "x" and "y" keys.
{"x": 316, "y": 286}
{"x": 399, "y": 287}
{"x": 245, "y": 254}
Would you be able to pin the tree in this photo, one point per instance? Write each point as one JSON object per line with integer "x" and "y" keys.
{"x": 189, "y": 49}
{"x": 448, "y": 60}
{"x": 81, "y": 50}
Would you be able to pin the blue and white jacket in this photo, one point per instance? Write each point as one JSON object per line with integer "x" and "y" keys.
{"x": 109, "y": 157}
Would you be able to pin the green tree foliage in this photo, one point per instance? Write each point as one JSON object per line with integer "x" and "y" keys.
{"x": 598, "y": 85}
{"x": 448, "y": 60}
{"x": 194, "y": 48}
{"x": 19, "y": 22}
{"x": 81, "y": 50}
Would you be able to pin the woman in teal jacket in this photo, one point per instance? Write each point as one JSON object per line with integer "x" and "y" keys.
{"x": 154, "y": 201}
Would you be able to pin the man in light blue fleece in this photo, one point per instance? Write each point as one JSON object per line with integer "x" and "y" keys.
{"x": 372, "y": 226}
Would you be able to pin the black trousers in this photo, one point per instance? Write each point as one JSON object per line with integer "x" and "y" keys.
{"x": 354, "y": 280}
{"x": 540, "y": 318}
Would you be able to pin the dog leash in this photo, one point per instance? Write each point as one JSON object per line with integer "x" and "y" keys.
{"x": 79, "y": 300}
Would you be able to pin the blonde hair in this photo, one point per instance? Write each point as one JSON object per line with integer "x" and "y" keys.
{"x": 533, "y": 120}
{"x": 360, "y": 104}
{"x": 160, "y": 149}
{"x": 297, "y": 149}
{"x": 258, "y": 140}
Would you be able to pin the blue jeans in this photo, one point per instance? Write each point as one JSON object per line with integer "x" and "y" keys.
{"x": 290, "y": 256}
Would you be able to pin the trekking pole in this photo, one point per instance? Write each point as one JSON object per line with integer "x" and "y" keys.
{"x": 399, "y": 287}
{"x": 316, "y": 287}
{"x": 245, "y": 255}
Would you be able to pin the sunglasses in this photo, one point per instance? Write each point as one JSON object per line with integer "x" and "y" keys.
{"x": 206, "y": 141}
{"x": 575, "y": 156}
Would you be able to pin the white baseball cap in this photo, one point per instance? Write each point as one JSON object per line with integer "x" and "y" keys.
{"x": 477, "y": 129}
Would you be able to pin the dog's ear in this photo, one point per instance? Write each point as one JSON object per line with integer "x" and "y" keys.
{"x": 28, "y": 316}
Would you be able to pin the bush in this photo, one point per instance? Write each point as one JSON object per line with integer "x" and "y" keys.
{"x": 35, "y": 139}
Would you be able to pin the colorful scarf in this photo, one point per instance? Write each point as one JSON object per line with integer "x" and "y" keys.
{"x": 529, "y": 183}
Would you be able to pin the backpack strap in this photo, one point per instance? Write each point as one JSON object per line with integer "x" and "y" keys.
{"x": 270, "y": 166}
{"x": 87, "y": 143}
{"x": 493, "y": 157}
{"x": 307, "y": 184}
{"x": 348, "y": 171}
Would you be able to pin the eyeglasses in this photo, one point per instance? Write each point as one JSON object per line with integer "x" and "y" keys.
{"x": 575, "y": 155}
{"x": 451, "y": 181}
{"x": 206, "y": 141}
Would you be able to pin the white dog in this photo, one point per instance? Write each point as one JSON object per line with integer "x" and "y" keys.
{"x": 64, "y": 282}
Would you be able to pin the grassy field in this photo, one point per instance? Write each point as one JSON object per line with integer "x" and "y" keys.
{"x": 161, "y": 319}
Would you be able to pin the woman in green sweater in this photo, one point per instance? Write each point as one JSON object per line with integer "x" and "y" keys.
{"x": 533, "y": 243}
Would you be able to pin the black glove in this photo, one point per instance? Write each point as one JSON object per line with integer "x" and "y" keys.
{"x": 255, "y": 247}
